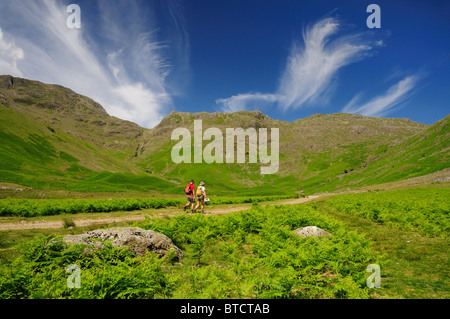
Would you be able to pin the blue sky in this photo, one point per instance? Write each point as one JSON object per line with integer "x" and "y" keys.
{"x": 287, "y": 58}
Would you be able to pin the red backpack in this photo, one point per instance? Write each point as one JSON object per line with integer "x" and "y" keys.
{"x": 188, "y": 189}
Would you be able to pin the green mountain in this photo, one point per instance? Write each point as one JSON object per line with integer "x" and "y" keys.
{"x": 53, "y": 138}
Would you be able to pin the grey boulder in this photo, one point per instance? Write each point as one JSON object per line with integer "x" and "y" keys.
{"x": 137, "y": 240}
{"x": 311, "y": 231}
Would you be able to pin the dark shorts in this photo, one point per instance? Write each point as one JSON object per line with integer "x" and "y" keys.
{"x": 190, "y": 199}
{"x": 201, "y": 198}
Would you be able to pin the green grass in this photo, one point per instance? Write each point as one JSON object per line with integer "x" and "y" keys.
{"x": 253, "y": 254}
{"x": 110, "y": 273}
{"x": 54, "y": 139}
{"x": 415, "y": 264}
{"x": 425, "y": 210}
{"x": 35, "y": 156}
{"x": 62, "y": 158}
{"x": 46, "y": 207}
{"x": 63, "y": 144}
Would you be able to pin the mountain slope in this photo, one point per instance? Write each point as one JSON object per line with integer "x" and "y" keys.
{"x": 421, "y": 154}
{"x": 316, "y": 153}
{"x": 53, "y": 138}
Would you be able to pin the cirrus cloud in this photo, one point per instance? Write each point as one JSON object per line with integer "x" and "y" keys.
{"x": 385, "y": 103}
{"x": 118, "y": 61}
{"x": 311, "y": 67}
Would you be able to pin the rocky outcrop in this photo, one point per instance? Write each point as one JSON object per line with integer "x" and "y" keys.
{"x": 136, "y": 239}
{"x": 6, "y": 81}
{"x": 311, "y": 231}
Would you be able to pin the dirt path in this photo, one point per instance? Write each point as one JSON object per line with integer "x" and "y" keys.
{"x": 142, "y": 215}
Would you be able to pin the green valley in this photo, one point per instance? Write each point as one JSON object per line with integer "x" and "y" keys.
{"x": 54, "y": 139}
{"x": 379, "y": 188}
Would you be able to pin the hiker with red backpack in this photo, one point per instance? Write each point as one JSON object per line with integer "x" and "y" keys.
{"x": 189, "y": 190}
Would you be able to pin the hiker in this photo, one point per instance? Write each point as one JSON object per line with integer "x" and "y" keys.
{"x": 201, "y": 195}
{"x": 189, "y": 190}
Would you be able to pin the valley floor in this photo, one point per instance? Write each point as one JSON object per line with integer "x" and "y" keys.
{"x": 415, "y": 266}
{"x": 83, "y": 220}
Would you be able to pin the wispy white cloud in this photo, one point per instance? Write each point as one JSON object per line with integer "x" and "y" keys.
{"x": 126, "y": 72}
{"x": 243, "y": 102}
{"x": 9, "y": 55}
{"x": 385, "y": 103}
{"x": 311, "y": 67}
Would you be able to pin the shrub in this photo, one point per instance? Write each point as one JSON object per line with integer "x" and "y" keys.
{"x": 254, "y": 254}
{"x": 40, "y": 272}
{"x": 248, "y": 254}
{"x": 425, "y": 210}
{"x": 43, "y": 207}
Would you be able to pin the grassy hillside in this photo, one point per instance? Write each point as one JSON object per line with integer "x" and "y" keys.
{"x": 53, "y": 138}
{"x": 318, "y": 153}
{"x": 417, "y": 155}
{"x": 420, "y": 154}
